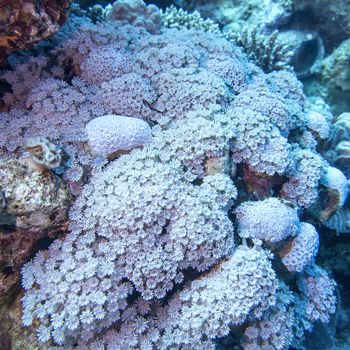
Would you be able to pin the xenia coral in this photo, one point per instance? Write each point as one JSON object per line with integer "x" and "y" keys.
{"x": 152, "y": 259}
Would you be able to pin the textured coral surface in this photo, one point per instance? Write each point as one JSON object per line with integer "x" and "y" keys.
{"x": 169, "y": 245}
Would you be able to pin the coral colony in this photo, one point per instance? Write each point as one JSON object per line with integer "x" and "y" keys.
{"x": 192, "y": 175}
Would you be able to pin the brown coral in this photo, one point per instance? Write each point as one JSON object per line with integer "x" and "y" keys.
{"x": 25, "y": 22}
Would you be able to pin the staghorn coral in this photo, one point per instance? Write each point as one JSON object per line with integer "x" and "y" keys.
{"x": 266, "y": 50}
{"x": 178, "y": 18}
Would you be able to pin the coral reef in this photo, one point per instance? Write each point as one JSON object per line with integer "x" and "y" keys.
{"x": 303, "y": 249}
{"x": 43, "y": 153}
{"x": 329, "y": 18}
{"x": 172, "y": 245}
{"x": 298, "y": 33}
{"x": 268, "y": 220}
{"x": 331, "y": 78}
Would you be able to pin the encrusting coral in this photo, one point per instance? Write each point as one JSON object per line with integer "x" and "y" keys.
{"x": 112, "y": 133}
{"x": 156, "y": 256}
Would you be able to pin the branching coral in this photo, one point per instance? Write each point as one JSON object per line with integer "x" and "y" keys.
{"x": 178, "y": 18}
{"x": 263, "y": 49}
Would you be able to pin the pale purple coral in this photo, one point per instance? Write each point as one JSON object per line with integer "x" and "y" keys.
{"x": 104, "y": 64}
{"x": 271, "y": 105}
{"x": 301, "y": 188}
{"x": 318, "y": 124}
{"x": 227, "y": 296}
{"x": 137, "y": 13}
{"x": 287, "y": 85}
{"x": 275, "y": 330}
{"x": 333, "y": 179}
{"x": 258, "y": 143}
{"x": 243, "y": 286}
{"x": 157, "y": 56}
{"x": 203, "y": 135}
{"x": 269, "y": 220}
{"x": 318, "y": 291}
{"x": 185, "y": 89}
{"x": 129, "y": 95}
{"x": 303, "y": 249}
{"x": 230, "y": 69}
{"x": 184, "y": 226}
{"x": 157, "y": 218}
{"x": 111, "y": 133}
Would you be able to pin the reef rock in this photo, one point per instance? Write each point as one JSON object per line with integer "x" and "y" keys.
{"x": 26, "y": 22}
{"x": 34, "y": 200}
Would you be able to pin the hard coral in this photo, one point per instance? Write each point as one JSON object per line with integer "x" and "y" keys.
{"x": 112, "y": 133}
{"x": 269, "y": 220}
{"x": 137, "y": 13}
{"x": 44, "y": 153}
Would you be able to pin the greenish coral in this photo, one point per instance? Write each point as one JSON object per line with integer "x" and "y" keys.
{"x": 266, "y": 50}
{"x": 179, "y": 18}
{"x": 332, "y": 79}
